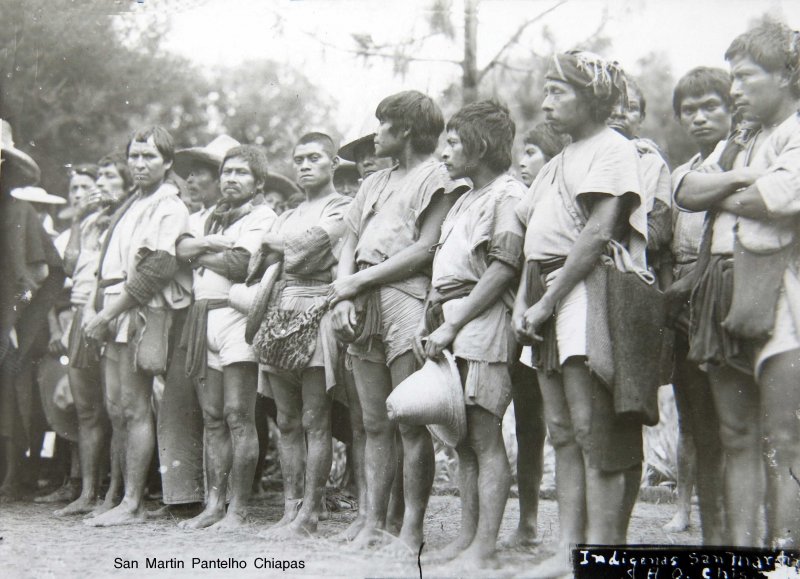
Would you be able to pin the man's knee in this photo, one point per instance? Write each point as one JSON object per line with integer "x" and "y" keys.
{"x": 561, "y": 431}
{"x": 288, "y": 423}
{"x": 316, "y": 423}
{"x": 414, "y": 434}
{"x": 738, "y": 436}
{"x": 238, "y": 418}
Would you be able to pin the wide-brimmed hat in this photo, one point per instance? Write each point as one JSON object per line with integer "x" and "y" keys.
{"x": 17, "y": 159}
{"x": 281, "y": 184}
{"x": 52, "y": 376}
{"x": 348, "y": 151}
{"x": 212, "y": 155}
{"x": 37, "y": 195}
{"x": 259, "y": 305}
{"x": 432, "y": 396}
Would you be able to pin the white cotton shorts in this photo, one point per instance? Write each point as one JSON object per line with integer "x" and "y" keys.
{"x": 571, "y": 318}
{"x": 784, "y": 336}
{"x": 225, "y": 339}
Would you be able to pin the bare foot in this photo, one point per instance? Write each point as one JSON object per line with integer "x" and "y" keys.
{"x": 205, "y": 519}
{"x": 522, "y": 539}
{"x": 400, "y": 548}
{"x": 394, "y": 526}
{"x": 10, "y": 493}
{"x": 448, "y": 552}
{"x": 557, "y": 565}
{"x": 679, "y": 523}
{"x": 352, "y": 531}
{"x": 66, "y": 493}
{"x": 368, "y": 537}
{"x": 232, "y": 521}
{"x": 104, "y": 507}
{"x": 80, "y": 506}
{"x": 123, "y": 514}
{"x": 290, "y": 510}
{"x": 474, "y": 558}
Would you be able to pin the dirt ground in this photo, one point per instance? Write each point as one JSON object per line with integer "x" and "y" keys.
{"x": 36, "y": 544}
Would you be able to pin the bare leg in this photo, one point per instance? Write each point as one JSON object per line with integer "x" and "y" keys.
{"x": 262, "y": 433}
{"x": 316, "y": 424}
{"x": 217, "y": 449}
{"x": 397, "y": 503}
{"x": 468, "y": 493}
{"x": 781, "y": 420}
{"x": 357, "y": 452}
{"x": 116, "y": 486}
{"x": 136, "y": 390}
{"x": 494, "y": 481}
{"x": 570, "y": 475}
{"x": 374, "y": 383}
{"x": 737, "y": 402}
{"x": 87, "y": 391}
{"x": 418, "y": 464}
{"x": 531, "y": 433}
{"x": 240, "y": 403}
{"x": 704, "y": 429}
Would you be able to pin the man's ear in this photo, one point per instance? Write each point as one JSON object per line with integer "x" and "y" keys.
{"x": 335, "y": 162}
{"x": 483, "y": 149}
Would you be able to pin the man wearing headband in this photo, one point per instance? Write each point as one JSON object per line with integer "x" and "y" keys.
{"x": 587, "y": 196}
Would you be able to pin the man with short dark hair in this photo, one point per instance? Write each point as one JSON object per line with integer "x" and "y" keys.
{"x": 469, "y": 312}
{"x": 218, "y": 359}
{"x": 393, "y": 221}
{"x": 744, "y": 326}
{"x": 141, "y": 288}
{"x": 306, "y": 240}
{"x": 702, "y": 105}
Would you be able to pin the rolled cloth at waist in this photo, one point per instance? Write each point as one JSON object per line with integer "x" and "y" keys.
{"x": 434, "y": 317}
{"x": 546, "y": 353}
{"x": 194, "y": 337}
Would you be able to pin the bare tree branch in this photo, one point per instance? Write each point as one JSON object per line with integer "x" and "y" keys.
{"x": 515, "y": 38}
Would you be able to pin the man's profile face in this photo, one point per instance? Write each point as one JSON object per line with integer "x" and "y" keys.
{"x": 756, "y": 92}
{"x": 202, "y": 183}
{"x": 564, "y": 110}
{"x": 313, "y": 166}
{"x": 148, "y": 167}
{"x": 387, "y": 143}
{"x": 530, "y": 163}
{"x": 455, "y": 157}
{"x": 705, "y": 118}
{"x": 236, "y": 180}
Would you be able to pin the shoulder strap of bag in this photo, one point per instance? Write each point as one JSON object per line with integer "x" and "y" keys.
{"x": 569, "y": 203}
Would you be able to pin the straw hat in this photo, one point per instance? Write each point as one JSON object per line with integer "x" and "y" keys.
{"x": 432, "y": 396}
{"x": 348, "y": 151}
{"x": 281, "y": 184}
{"x": 242, "y": 297}
{"x": 37, "y": 195}
{"x": 259, "y": 306}
{"x": 52, "y": 376}
{"x": 17, "y": 159}
{"x": 212, "y": 154}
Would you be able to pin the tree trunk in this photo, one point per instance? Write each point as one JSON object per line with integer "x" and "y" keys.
{"x": 469, "y": 80}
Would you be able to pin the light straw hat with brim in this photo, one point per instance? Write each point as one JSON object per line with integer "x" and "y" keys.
{"x": 37, "y": 195}
{"x": 212, "y": 155}
{"x": 16, "y": 160}
{"x": 348, "y": 151}
{"x": 432, "y": 396}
